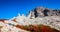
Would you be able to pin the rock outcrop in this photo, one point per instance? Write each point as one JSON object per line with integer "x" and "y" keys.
{"x": 42, "y": 12}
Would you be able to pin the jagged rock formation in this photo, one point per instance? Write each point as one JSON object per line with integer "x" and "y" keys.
{"x": 39, "y": 20}
{"x": 42, "y": 12}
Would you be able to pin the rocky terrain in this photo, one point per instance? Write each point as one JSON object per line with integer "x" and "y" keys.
{"x": 42, "y": 12}
{"x": 39, "y": 19}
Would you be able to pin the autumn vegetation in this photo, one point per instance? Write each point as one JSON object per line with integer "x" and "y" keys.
{"x": 37, "y": 28}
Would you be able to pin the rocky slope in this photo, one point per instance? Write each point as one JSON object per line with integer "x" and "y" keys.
{"x": 38, "y": 20}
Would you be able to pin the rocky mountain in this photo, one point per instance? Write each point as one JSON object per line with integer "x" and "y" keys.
{"x": 42, "y": 12}
{"x": 39, "y": 19}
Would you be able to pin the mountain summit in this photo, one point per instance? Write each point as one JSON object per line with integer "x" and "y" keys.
{"x": 42, "y": 12}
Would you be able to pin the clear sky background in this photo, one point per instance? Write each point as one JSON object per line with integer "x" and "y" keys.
{"x": 10, "y": 8}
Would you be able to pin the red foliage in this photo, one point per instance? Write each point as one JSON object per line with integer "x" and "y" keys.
{"x": 18, "y": 26}
{"x": 37, "y": 28}
{"x": 45, "y": 29}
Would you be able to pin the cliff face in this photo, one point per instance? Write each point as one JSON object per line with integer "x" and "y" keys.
{"x": 42, "y": 12}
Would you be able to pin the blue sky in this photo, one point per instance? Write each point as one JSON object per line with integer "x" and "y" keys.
{"x": 10, "y": 8}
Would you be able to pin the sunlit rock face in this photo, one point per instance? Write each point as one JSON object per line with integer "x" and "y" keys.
{"x": 41, "y": 12}
{"x": 39, "y": 19}
{"x": 51, "y": 21}
{"x": 7, "y": 26}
